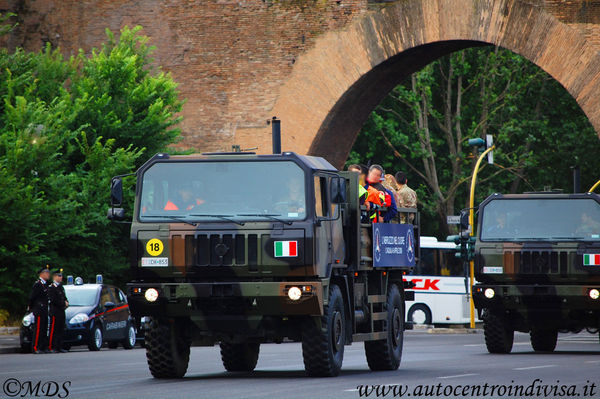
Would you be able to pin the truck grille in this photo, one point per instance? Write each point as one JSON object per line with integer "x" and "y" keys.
{"x": 226, "y": 250}
{"x": 536, "y": 262}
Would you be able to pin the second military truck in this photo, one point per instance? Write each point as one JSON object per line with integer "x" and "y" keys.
{"x": 537, "y": 261}
{"x": 242, "y": 249}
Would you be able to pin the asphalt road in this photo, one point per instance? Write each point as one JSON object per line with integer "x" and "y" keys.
{"x": 451, "y": 360}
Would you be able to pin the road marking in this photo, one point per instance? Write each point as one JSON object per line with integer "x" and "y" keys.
{"x": 457, "y": 376}
{"x": 516, "y": 343}
{"x": 535, "y": 367}
{"x": 351, "y": 390}
{"x": 24, "y": 371}
{"x": 592, "y": 361}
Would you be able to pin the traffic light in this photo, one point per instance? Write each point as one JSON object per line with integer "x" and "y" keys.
{"x": 471, "y": 248}
{"x": 465, "y": 246}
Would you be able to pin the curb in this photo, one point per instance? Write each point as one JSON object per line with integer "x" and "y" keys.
{"x": 6, "y": 351}
{"x": 9, "y": 330}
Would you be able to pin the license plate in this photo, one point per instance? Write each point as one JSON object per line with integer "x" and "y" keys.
{"x": 493, "y": 270}
{"x": 155, "y": 262}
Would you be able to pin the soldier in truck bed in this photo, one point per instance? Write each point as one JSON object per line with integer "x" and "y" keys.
{"x": 38, "y": 304}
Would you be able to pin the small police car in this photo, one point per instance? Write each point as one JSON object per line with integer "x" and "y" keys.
{"x": 97, "y": 314}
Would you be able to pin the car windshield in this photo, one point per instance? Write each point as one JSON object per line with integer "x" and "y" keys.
{"x": 81, "y": 296}
{"x": 541, "y": 220}
{"x": 217, "y": 191}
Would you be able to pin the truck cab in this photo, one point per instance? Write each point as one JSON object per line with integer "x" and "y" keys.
{"x": 537, "y": 261}
{"x": 241, "y": 249}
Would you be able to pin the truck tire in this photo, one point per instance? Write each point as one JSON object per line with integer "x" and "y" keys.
{"x": 239, "y": 357}
{"x": 543, "y": 340}
{"x": 421, "y": 313}
{"x": 499, "y": 336}
{"x": 323, "y": 348}
{"x": 386, "y": 354}
{"x": 167, "y": 352}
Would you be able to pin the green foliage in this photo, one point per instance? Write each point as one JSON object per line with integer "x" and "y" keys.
{"x": 66, "y": 127}
{"x": 539, "y": 130}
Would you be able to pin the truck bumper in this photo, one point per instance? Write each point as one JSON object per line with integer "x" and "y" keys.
{"x": 210, "y": 300}
{"x": 563, "y": 306}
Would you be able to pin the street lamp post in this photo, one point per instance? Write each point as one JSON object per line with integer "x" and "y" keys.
{"x": 474, "y": 143}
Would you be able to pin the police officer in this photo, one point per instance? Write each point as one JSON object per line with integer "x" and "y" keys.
{"x": 58, "y": 304}
{"x": 38, "y": 304}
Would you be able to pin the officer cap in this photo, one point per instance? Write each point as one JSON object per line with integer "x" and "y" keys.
{"x": 57, "y": 272}
{"x": 43, "y": 269}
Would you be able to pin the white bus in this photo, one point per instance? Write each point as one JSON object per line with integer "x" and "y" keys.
{"x": 441, "y": 295}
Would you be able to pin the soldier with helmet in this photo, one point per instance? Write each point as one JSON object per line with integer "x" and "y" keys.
{"x": 38, "y": 304}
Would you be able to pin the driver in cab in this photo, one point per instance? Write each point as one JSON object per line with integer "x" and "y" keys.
{"x": 184, "y": 200}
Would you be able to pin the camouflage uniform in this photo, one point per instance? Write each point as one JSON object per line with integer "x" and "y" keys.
{"x": 408, "y": 199}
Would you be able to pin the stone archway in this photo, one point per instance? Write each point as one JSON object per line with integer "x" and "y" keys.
{"x": 335, "y": 85}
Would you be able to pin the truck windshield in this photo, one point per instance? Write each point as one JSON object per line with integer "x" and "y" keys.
{"x": 541, "y": 220}
{"x": 221, "y": 191}
{"x": 81, "y": 296}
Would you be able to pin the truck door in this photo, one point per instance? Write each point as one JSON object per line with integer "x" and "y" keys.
{"x": 323, "y": 228}
{"x": 329, "y": 233}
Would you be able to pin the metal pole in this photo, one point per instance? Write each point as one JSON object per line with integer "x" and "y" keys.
{"x": 576, "y": 179}
{"x": 276, "y": 131}
{"x": 472, "y": 233}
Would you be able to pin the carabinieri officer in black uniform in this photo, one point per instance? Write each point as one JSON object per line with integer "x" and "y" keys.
{"x": 58, "y": 304}
{"x": 38, "y": 304}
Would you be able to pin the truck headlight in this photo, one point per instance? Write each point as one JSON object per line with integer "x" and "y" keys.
{"x": 79, "y": 318}
{"x": 489, "y": 293}
{"x": 594, "y": 293}
{"x": 294, "y": 293}
{"x": 151, "y": 295}
{"x": 28, "y": 319}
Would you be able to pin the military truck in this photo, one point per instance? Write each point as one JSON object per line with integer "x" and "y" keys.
{"x": 241, "y": 249}
{"x": 537, "y": 261}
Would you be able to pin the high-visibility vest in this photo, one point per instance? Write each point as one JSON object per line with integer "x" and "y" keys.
{"x": 170, "y": 206}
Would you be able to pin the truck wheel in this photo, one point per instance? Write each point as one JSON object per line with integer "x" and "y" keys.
{"x": 96, "y": 339}
{"x": 543, "y": 340}
{"x": 239, "y": 357}
{"x": 499, "y": 336}
{"x": 167, "y": 352}
{"x": 419, "y": 314}
{"x": 323, "y": 348}
{"x": 386, "y": 354}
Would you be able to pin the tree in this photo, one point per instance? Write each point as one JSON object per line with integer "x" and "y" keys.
{"x": 423, "y": 125}
{"x": 66, "y": 127}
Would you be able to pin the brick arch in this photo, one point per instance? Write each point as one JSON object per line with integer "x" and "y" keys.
{"x": 335, "y": 85}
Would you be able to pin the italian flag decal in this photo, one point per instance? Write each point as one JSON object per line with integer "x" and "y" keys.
{"x": 286, "y": 249}
{"x": 591, "y": 260}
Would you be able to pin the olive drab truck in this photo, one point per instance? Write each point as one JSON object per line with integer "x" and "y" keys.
{"x": 239, "y": 249}
{"x": 537, "y": 263}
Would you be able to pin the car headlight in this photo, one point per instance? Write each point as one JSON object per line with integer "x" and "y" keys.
{"x": 79, "y": 318}
{"x": 594, "y": 293}
{"x": 28, "y": 319}
{"x": 489, "y": 293}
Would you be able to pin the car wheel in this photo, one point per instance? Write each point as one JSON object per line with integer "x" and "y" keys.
{"x": 129, "y": 341}
{"x": 96, "y": 339}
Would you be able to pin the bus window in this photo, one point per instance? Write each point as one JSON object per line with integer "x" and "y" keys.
{"x": 439, "y": 262}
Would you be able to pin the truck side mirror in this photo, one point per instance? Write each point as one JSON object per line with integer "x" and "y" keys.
{"x": 116, "y": 214}
{"x": 116, "y": 192}
{"x": 464, "y": 220}
{"x": 338, "y": 190}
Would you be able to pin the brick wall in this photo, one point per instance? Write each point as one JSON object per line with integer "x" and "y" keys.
{"x": 231, "y": 57}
